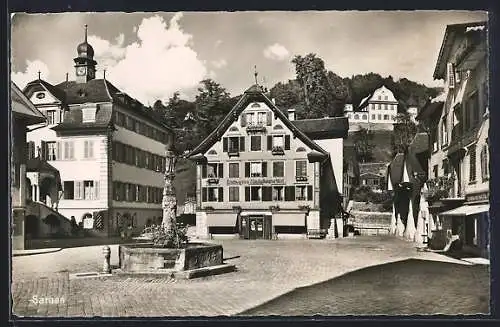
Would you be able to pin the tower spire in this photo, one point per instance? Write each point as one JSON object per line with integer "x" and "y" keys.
{"x": 86, "y": 27}
{"x": 39, "y": 74}
{"x": 255, "y": 74}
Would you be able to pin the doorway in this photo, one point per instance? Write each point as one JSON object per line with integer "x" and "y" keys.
{"x": 256, "y": 227}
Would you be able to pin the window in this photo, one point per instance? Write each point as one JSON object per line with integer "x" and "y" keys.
{"x": 373, "y": 116}
{"x": 484, "y": 163}
{"x": 278, "y": 142}
{"x": 379, "y": 117}
{"x": 446, "y": 167}
{"x": 278, "y": 169}
{"x": 234, "y": 170}
{"x": 435, "y": 171}
{"x": 261, "y": 118}
{"x": 301, "y": 168}
{"x": 212, "y": 194}
{"x": 69, "y": 150}
{"x": 88, "y": 114}
{"x": 90, "y": 190}
{"x": 255, "y": 193}
{"x": 386, "y": 117}
{"x": 365, "y": 117}
{"x": 349, "y": 115}
{"x": 474, "y": 109}
{"x": 380, "y": 97}
{"x": 444, "y": 134}
{"x": 88, "y": 149}
{"x": 278, "y": 193}
{"x": 251, "y": 118}
{"x": 256, "y": 169}
{"x": 356, "y": 116}
{"x": 69, "y": 190}
{"x": 79, "y": 190}
{"x": 52, "y": 151}
{"x": 234, "y": 144}
{"x": 234, "y": 194}
{"x": 386, "y": 97}
{"x": 52, "y": 117}
{"x": 255, "y": 143}
{"x": 472, "y": 164}
{"x": 300, "y": 192}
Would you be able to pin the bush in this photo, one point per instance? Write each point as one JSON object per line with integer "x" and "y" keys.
{"x": 173, "y": 238}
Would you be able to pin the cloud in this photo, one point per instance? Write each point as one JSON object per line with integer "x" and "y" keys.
{"x": 276, "y": 52}
{"x": 219, "y": 63}
{"x": 31, "y": 73}
{"x": 217, "y": 43}
{"x": 158, "y": 64}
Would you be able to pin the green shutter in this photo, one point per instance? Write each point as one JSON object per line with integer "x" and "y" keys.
{"x": 224, "y": 144}
{"x": 221, "y": 170}
{"x": 242, "y": 144}
{"x": 247, "y": 193}
{"x": 267, "y": 193}
{"x": 309, "y": 192}
{"x": 264, "y": 169}
{"x": 269, "y": 143}
{"x": 247, "y": 169}
{"x": 243, "y": 119}
{"x": 287, "y": 142}
{"x": 204, "y": 194}
{"x": 221, "y": 194}
{"x": 204, "y": 171}
{"x": 289, "y": 193}
{"x": 269, "y": 118}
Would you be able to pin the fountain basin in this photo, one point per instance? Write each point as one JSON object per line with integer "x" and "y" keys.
{"x": 195, "y": 258}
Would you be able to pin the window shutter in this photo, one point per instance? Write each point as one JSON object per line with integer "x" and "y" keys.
{"x": 264, "y": 169}
{"x": 247, "y": 193}
{"x": 309, "y": 192}
{"x": 96, "y": 190}
{"x": 267, "y": 193}
{"x": 269, "y": 142}
{"x": 224, "y": 144}
{"x": 289, "y": 193}
{"x": 204, "y": 171}
{"x": 242, "y": 143}
{"x": 221, "y": 194}
{"x": 204, "y": 194}
{"x": 247, "y": 169}
{"x": 31, "y": 150}
{"x": 451, "y": 75}
{"x": 269, "y": 118}
{"x": 221, "y": 170}
{"x": 44, "y": 150}
{"x": 243, "y": 119}
{"x": 287, "y": 142}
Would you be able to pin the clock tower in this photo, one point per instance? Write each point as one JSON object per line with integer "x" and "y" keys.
{"x": 84, "y": 62}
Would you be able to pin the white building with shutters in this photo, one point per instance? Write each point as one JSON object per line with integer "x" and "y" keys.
{"x": 107, "y": 146}
{"x": 263, "y": 175}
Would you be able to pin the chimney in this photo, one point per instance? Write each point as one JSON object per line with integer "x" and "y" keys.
{"x": 291, "y": 114}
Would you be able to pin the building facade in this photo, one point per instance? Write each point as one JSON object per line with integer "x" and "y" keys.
{"x": 260, "y": 176}
{"x": 459, "y": 160}
{"x": 23, "y": 114}
{"x": 107, "y": 146}
{"x": 379, "y": 108}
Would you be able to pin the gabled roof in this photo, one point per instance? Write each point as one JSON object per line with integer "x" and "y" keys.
{"x": 254, "y": 93}
{"x": 55, "y": 91}
{"x": 449, "y": 37}
{"x": 23, "y": 107}
{"x": 364, "y": 102}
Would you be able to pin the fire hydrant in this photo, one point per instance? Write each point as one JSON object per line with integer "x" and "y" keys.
{"x": 106, "y": 268}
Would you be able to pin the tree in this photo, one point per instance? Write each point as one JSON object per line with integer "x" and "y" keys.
{"x": 289, "y": 95}
{"x": 404, "y": 132}
{"x": 363, "y": 145}
{"x": 318, "y": 90}
{"x": 212, "y": 104}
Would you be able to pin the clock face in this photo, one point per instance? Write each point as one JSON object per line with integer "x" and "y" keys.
{"x": 80, "y": 71}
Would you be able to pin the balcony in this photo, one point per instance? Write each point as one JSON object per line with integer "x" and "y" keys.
{"x": 278, "y": 151}
{"x": 460, "y": 139}
{"x": 235, "y": 152}
{"x": 256, "y": 127}
{"x": 439, "y": 188}
{"x": 213, "y": 180}
{"x": 301, "y": 178}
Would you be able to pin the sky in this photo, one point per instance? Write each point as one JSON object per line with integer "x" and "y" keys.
{"x": 152, "y": 55}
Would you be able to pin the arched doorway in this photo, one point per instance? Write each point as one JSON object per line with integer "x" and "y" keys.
{"x": 31, "y": 226}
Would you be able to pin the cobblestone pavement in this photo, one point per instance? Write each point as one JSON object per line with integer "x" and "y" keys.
{"x": 266, "y": 270}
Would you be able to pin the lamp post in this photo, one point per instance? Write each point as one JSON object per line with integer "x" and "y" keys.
{"x": 169, "y": 201}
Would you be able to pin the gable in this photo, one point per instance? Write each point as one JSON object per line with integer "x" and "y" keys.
{"x": 383, "y": 94}
{"x": 39, "y": 94}
{"x": 260, "y": 103}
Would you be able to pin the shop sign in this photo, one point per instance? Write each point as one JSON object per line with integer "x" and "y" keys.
{"x": 88, "y": 223}
{"x": 256, "y": 181}
{"x": 478, "y": 197}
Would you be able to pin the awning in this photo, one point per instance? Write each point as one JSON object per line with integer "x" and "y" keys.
{"x": 221, "y": 219}
{"x": 289, "y": 219}
{"x": 467, "y": 210}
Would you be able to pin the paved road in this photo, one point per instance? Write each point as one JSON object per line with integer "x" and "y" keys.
{"x": 266, "y": 270}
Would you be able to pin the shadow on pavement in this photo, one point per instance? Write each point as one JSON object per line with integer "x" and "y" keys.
{"x": 405, "y": 287}
{"x": 74, "y": 242}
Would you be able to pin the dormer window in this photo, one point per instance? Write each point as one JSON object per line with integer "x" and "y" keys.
{"x": 88, "y": 114}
